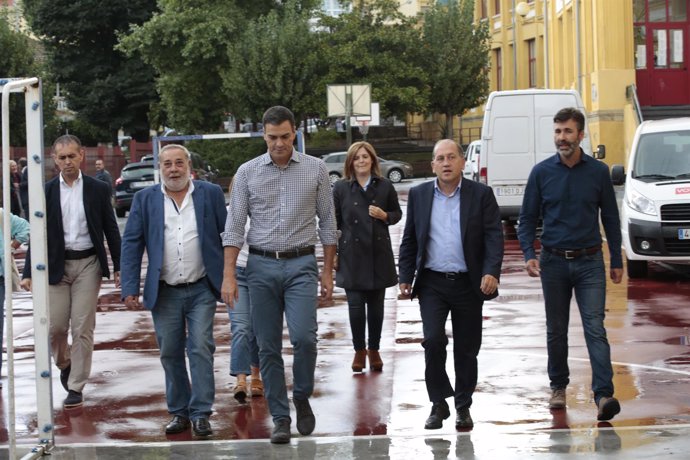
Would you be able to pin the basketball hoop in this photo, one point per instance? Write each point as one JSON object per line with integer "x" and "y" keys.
{"x": 364, "y": 127}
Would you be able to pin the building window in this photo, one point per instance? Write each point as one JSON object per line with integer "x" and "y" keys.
{"x": 483, "y": 8}
{"x": 499, "y": 69}
{"x": 532, "y": 59}
{"x": 497, "y": 7}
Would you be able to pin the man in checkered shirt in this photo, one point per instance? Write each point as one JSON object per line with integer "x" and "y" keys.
{"x": 283, "y": 191}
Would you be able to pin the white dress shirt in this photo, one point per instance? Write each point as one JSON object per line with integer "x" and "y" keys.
{"x": 74, "y": 224}
{"x": 182, "y": 259}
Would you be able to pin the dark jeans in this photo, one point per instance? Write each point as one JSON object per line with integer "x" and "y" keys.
{"x": 438, "y": 297}
{"x": 586, "y": 276}
{"x": 366, "y": 307}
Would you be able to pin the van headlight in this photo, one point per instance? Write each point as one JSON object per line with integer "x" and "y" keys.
{"x": 640, "y": 203}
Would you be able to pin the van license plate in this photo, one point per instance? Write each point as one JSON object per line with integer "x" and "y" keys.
{"x": 510, "y": 191}
{"x": 684, "y": 233}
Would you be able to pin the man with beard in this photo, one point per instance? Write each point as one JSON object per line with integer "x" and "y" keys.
{"x": 569, "y": 190}
{"x": 179, "y": 223}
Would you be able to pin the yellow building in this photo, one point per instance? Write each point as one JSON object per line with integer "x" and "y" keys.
{"x": 613, "y": 52}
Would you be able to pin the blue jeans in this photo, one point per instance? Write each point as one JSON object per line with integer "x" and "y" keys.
{"x": 183, "y": 320}
{"x": 286, "y": 286}
{"x": 244, "y": 353}
{"x": 586, "y": 275}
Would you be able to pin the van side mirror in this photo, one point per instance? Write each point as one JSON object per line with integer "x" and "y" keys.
{"x": 600, "y": 153}
{"x": 618, "y": 175}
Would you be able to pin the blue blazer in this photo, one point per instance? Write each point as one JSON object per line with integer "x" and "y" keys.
{"x": 144, "y": 230}
{"x": 480, "y": 227}
{"x": 100, "y": 219}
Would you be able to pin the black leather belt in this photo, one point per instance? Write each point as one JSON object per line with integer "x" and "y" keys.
{"x": 448, "y": 275}
{"x": 183, "y": 284}
{"x": 289, "y": 254}
{"x": 76, "y": 255}
{"x": 573, "y": 253}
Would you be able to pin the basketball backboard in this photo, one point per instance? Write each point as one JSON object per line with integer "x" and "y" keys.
{"x": 349, "y": 99}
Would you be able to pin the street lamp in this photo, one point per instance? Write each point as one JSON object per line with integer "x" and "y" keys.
{"x": 521, "y": 9}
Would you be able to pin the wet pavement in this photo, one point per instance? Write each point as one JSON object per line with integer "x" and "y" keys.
{"x": 381, "y": 415}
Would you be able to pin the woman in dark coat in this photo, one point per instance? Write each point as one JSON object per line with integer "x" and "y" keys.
{"x": 365, "y": 205}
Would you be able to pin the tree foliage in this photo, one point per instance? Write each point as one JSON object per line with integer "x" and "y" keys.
{"x": 187, "y": 43}
{"x": 17, "y": 60}
{"x": 456, "y": 54}
{"x": 275, "y": 62}
{"x": 377, "y": 44}
{"x": 106, "y": 88}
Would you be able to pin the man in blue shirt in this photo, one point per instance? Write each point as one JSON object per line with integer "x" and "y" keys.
{"x": 570, "y": 190}
{"x": 452, "y": 248}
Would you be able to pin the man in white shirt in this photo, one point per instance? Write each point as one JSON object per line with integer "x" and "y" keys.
{"x": 179, "y": 223}
{"x": 78, "y": 215}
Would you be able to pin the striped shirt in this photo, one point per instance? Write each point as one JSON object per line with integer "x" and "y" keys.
{"x": 283, "y": 204}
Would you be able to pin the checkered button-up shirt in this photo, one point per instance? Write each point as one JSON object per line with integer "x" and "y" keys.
{"x": 283, "y": 203}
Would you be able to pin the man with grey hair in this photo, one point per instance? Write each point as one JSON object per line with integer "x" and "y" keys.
{"x": 179, "y": 223}
{"x": 78, "y": 215}
{"x": 452, "y": 247}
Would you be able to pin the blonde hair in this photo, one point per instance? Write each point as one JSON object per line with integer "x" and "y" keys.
{"x": 349, "y": 168}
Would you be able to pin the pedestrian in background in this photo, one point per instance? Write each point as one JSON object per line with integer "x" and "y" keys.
{"x": 365, "y": 205}
{"x": 102, "y": 174}
{"x": 178, "y": 223}
{"x": 569, "y": 191}
{"x": 19, "y": 233}
{"x": 283, "y": 191}
{"x": 78, "y": 216}
{"x": 453, "y": 247}
{"x": 15, "y": 181}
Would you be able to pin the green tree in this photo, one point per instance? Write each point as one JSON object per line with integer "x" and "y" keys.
{"x": 17, "y": 60}
{"x": 376, "y": 44}
{"x": 187, "y": 43}
{"x": 456, "y": 54}
{"x": 106, "y": 88}
{"x": 275, "y": 62}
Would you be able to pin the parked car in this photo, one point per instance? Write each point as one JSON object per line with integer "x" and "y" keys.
{"x": 395, "y": 171}
{"x": 471, "y": 170}
{"x": 133, "y": 177}
{"x": 655, "y": 214}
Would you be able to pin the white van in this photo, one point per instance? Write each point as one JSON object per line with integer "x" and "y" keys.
{"x": 517, "y": 133}
{"x": 655, "y": 214}
{"x": 471, "y": 170}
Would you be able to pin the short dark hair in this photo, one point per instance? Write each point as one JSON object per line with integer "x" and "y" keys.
{"x": 277, "y": 115}
{"x": 570, "y": 113}
{"x": 67, "y": 139}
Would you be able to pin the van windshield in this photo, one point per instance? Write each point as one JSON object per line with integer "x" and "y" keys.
{"x": 662, "y": 156}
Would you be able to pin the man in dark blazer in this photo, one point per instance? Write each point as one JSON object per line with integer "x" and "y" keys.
{"x": 179, "y": 223}
{"x": 453, "y": 246}
{"x": 78, "y": 214}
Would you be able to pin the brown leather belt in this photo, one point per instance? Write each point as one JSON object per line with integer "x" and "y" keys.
{"x": 289, "y": 254}
{"x": 573, "y": 253}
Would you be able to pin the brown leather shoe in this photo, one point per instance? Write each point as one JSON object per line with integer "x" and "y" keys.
{"x": 240, "y": 390}
{"x": 375, "y": 361}
{"x": 360, "y": 360}
{"x": 256, "y": 387}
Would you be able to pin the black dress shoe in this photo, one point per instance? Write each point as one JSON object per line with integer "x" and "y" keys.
{"x": 73, "y": 399}
{"x": 305, "y": 417}
{"x": 64, "y": 377}
{"x": 439, "y": 412}
{"x": 201, "y": 427}
{"x": 464, "y": 420}
{"x": 281, "y": 431}
{"x": 177, "y": 424}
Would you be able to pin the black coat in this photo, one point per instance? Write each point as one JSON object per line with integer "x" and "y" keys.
{"x": 365, "y": 254}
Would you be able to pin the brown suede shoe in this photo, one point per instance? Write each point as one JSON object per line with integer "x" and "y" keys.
{"x": 375, "y": 362}
{"x": 256, "y": 387}
{"x": 360, "y": 360}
